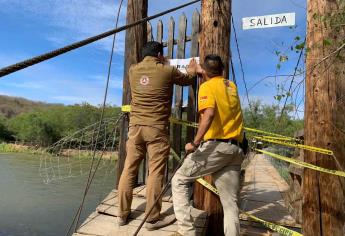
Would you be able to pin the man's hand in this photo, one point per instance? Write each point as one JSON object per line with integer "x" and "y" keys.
{"x": 194, "y": 68}
{"x": 163, "y": 60}
{"x": 189, "y": 148}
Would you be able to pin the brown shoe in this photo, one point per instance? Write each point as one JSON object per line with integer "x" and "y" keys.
{"x": 176, "y": 234}
{"x": 167, "y": 220}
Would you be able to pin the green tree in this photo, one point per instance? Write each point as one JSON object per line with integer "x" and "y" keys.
{"x": 270, "y": 118}
{"x": 33, "y": 127}
{"x": 47, "y": 125}
{"x": 5, "y": 134}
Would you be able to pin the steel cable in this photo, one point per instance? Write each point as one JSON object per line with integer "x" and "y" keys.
{"x": 90, "y": 179}
{"x": 35, "y": 60}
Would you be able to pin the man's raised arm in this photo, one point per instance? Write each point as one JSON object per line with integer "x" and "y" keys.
{"x": 183, "y": 79}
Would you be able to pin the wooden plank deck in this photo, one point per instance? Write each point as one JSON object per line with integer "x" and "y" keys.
{"x": 103, "y": 221}
{"x": 261, "y": 195}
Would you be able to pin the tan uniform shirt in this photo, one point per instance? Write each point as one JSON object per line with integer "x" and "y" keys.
{"x": 152, "y": 89}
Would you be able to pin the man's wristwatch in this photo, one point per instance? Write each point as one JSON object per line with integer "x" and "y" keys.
{"x": 194, "y": 145}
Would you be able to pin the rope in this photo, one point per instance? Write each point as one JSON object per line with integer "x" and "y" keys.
{"x": 35, "y": 60}
{"x": 233, "y": 70}
{"x": 242, "y": 70}
{"x": 89, "y": 180}
{"x": 240, "y": 59}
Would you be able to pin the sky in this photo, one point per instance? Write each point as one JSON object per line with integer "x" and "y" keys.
{"x": 31, "y": 27}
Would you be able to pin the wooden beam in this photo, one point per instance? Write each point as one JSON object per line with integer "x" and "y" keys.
{"x": 181, "y": 49}
{"x": 149, "y": 32}
{"x": 324, "y": 194}
{"x": 159, "y": 31}
{"x": 215, "y": 30}
{"x": 214, "y": 39}
{"x": 192, "y": 90}
{"x": 136, "y": 37}
{"x": 171, "y": 40}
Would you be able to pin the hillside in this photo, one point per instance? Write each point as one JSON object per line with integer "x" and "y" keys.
{"x": 13, "y": 106}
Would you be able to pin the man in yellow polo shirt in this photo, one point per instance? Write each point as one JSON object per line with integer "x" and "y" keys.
{"x": 215, "y": 150}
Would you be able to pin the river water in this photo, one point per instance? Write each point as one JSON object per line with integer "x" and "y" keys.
{"x": 40, "y": 195}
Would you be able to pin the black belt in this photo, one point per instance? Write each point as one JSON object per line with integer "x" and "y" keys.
{"x": 232, "y": 141}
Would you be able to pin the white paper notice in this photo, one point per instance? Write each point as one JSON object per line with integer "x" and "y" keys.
{"x": 182, "y": 64}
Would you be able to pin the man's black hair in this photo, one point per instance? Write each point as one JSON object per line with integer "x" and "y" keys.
{"x": 152, "y": 49}
{"x": 213, "y": 65}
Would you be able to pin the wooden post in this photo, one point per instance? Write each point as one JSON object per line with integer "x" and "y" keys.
{"x": 215, "y": 39}
{"x": 136, "y": 38}
{"x": 159, "y": 31}
{"x": 149, "y": 32}
{"x": 171, "y": 38}
{"x": 215, "y": 30}
{"x": 324, "y": 194}
{"x": 181, "y": 48}
{"x": 192, "y": 90}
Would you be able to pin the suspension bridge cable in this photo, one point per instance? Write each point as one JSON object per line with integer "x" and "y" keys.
{"x": 240, "y": 58}
{"x": 89, "y": 180}
{"x": 241, "y": 64}
{"x": 105, "y": 96}
{"x": 233, "y": 69}
{"x": 292, "y": 80}
{"x": 35, "y": 60}
{"x": 94, "y": 173}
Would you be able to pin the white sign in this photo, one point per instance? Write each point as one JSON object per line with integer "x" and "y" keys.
{"x": 182, "y": 64}
{"x": 258, "y": 22}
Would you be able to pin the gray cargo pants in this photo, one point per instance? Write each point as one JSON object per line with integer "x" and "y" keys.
{"x": 222, "y": 161}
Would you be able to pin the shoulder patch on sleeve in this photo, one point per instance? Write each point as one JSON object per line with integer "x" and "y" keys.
{"x": 202, "y": 98}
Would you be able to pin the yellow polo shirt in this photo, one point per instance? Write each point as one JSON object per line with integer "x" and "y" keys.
{"x": 222, "y": 95}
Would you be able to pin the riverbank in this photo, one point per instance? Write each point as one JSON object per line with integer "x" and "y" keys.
{"x": 72, "y": 153}
{"x": 16, "y": 148}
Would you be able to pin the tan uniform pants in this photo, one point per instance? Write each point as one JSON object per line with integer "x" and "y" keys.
{"x": 222, "y": 161}
{"x": 154, "y": 141}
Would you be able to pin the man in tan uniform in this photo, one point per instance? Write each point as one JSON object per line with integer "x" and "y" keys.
{"x": 151, "y": 83}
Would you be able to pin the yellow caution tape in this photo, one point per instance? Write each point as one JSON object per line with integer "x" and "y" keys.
{"x": 207, "y": 185}
{"x": 272, "y": 138}
{"x": 302, "y": 163}
{"x": 183, "y": 122}
{"x": 177, "y": 158}
{"x": 126, "y": 108}
{"x": 277, "y": 228}
{"x": 296, "y": 145}
{"x": 271, "y": 135}
{"x": 282, "y": 138}
{"x": 267, "y": 133}
{"x": 267, "y": 138}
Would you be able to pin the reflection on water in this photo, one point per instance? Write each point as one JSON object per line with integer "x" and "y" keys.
{"x": 39, "y": 196}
